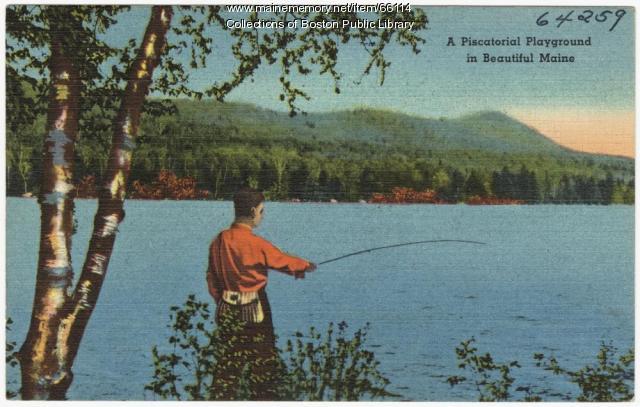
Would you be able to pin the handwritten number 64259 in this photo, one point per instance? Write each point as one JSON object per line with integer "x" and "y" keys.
{"x": 584, "y": 17}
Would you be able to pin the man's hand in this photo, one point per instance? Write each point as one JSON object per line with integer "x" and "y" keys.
{"x": 300, "y": 274}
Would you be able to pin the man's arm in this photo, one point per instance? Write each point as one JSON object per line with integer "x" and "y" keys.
{"x": 278, "y": 260}
{"x": 213, "y": 279}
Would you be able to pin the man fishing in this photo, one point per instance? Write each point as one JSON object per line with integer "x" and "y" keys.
{"x": 237, "y": 278}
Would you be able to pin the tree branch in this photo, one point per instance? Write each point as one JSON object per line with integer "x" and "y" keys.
{"x": 110, "y": 204}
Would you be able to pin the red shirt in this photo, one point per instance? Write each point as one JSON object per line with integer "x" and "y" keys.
{"x": 239, "y": 260}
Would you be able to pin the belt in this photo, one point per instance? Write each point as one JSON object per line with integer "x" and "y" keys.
{"x": 239, "y": 297}
{"x": 246, "y": 304}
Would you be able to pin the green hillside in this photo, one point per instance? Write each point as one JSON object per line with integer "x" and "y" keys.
{"x": 492, "y": 131}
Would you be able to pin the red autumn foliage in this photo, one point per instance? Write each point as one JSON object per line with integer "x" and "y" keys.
{"x": 87, "y": 187}
{"x": 491, "y": 200}
{"x": 168, "y": 186}
{"x": 400, "y": 195}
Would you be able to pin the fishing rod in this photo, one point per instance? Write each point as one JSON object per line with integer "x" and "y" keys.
{"x": 398, "y": 245}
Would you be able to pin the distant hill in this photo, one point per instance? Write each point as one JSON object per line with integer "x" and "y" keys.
{"x": 489, "y": 131}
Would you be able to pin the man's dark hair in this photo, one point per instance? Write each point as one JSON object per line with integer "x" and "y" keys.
{"x": 245, "y": 199}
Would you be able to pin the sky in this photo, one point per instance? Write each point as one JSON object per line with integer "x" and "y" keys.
{"x": 587, "y": 105}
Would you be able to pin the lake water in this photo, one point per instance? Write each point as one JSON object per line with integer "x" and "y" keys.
{"x": 552, "y": 279}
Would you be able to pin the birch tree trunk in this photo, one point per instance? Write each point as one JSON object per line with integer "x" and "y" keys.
{"x": 43, "y": 365}
{"x": 60, "y": 317}
{"x": 110, "y": 204}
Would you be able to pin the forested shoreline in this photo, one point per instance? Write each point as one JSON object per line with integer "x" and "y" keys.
{"x": 219, "y": 147}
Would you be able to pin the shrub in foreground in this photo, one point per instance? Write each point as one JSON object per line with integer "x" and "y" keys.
{"x": 609, "y": 379}
{"x": 202, "y": 363}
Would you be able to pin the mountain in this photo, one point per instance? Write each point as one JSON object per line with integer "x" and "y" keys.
{"x": 490, "y": 131}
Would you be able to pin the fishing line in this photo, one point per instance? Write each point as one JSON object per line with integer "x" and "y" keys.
{"x": 398, "y": 245}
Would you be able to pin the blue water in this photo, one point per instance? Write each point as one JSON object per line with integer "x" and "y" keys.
{"x": 552, "y": 279}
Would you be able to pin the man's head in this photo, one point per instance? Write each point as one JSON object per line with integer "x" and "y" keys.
{"x": 249, "y": 206}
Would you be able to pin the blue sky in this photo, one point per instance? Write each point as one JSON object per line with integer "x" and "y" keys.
{"x": 438, "y": 81}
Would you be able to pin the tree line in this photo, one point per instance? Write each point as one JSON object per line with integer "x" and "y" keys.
{"x": 220, "y": 159}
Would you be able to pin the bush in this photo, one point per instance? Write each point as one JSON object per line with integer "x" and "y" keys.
{"x": 197, "y": 367}
{"x": 205, "y": 364}
{"x": 328, "y": 369}
{"x": 607, "y": 380}
{"x": 168, "y": 186}
{"x": 491, "y": 379}
{"x": 407, "y": 195}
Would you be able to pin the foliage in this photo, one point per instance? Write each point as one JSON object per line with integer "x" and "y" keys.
{"x": 102, "y": 65}
{"x": 491, "y": 379}
{"x": 200, "y": 357}
{"x": 168, "y": 186}
{"x": 406, "y": 195}
{"x": 195, "y": 367}
{"x": 11, "y": 358}
{"x": 28, "y": 38}
{"x": 608, "y": 380}
{"x": 334, "y": 368}
{"x": 313, "y": 49}
{"x": 489, "y": 200}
